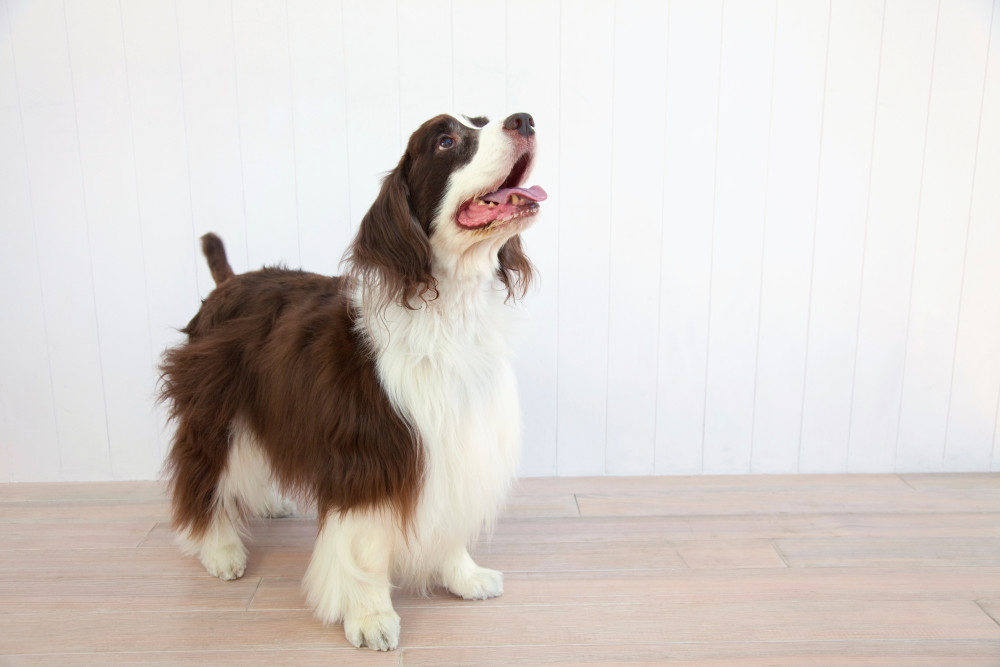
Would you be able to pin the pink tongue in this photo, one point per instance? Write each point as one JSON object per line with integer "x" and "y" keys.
{"x": 477, "y": 216}
{"x": 502, "y": 196}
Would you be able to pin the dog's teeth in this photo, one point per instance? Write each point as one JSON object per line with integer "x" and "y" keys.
{"x": 492, "y": 205}
{"x": 480, "y": 202}
{"x": 515, "y": 200}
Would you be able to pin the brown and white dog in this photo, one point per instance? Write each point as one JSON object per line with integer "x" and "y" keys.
{"x": 384, "y": 395}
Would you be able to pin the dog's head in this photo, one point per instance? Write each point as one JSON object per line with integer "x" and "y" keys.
{"x": 453, "y": 207}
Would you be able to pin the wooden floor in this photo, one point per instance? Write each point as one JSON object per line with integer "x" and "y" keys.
{"x": 795, "y": 570}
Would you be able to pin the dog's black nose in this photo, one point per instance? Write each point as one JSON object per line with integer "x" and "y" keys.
{"x": 522, "y": 123}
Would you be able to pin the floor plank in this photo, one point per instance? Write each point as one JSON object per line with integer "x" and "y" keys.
{"x": 720, "y": 554}
{"x": 109, "y": 492}
{"x": 291, "y": 657}
{"x": 647, "y": 622}
{"x": 108, "y": 594}
{"x": 709, "y": 483}
{"x": 939, "y": 551}
{"x": 625, "y": 530}
{"x": 991, "y": 607}
{"x": 166, "y": 631}
{"x": 963, "y": 483}
{"x": 719, "y": 654}
{"x": 815, "y": 498}
{"x": 138, "y": 563}
{"x": 126, "y": 535}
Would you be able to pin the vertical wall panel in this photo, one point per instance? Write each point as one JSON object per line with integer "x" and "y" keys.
{"x": 975, "y": 384}
{"x": 42, "y": 63}
{"x": 793, "y": 164}
{"x": 479, "y": 56}
{"x": 38, "y": 42}
{"x": 946, "y": 188}
{"x": 41, "y": 58}
{"x": 212, "y": 123}
{"x": 897, "y": 163}
{"x": 695, "y": 33}
{"x": 28, "y": 440}
{"x": 425, "y": 68}
{"x": 316, "y": 42}
{"x": 741, "y": 186}
{"x": 845, "y": 160}
{"x": 29, "y": 445}
{"x": 260, "y": 31}
{"x": 97, "y": 61}
{"x": 162, "y": 179}
{"x": 372, "y": 91}
{"x": 8, "y": 91}
{"x": 161, "y": 176}
{"x": 533, "y": 64}
{"x": 587, "y": 65}
{"x": 640, "y": 79}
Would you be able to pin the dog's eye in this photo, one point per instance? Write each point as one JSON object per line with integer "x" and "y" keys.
{"x": 446, "y": 143}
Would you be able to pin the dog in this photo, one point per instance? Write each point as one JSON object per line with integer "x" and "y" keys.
{"x": 383, "y": 395}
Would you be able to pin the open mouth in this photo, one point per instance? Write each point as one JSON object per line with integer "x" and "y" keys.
{"x": 507, "y": 202}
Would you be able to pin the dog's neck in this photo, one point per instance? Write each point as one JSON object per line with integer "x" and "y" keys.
{"x": 464, "y": 278}
{"x": 465, "y": 293}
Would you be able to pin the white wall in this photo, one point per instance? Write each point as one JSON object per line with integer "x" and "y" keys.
{"x": 772, "y": 242}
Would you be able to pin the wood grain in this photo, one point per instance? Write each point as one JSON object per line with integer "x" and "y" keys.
{"x": 715, "y": 654}
{"x": 803, "y": 570}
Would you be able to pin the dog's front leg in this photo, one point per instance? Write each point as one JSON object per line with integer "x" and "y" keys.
{"x": 349, "y": 578}
{"x": 461, "y": 576}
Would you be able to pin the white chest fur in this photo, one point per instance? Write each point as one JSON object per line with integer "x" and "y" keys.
{"x": 445, "y": 368}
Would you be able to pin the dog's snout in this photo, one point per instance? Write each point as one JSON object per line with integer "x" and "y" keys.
{"x": 522, "y": 123}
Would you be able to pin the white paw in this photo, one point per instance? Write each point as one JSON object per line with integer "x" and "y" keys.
{"x": 480, "y": 584}
{"x": 378, "y": 631}
{"x": 278, "y": 508}
{"x": 225, "y": 562}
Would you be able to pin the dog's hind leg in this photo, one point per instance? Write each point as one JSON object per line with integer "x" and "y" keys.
{"x": 242, "y": 487}
{"x": 220, "y": 547}
{"x": 349, "y": 577}
{"x": 249, "y": 479}
{"x": 275, "y": 506}
{"x": 206, "y": 515}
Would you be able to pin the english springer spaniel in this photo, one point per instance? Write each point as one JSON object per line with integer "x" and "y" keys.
{"x": 384, "y": 395}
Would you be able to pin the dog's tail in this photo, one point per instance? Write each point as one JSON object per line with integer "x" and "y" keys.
{"x": 215, "y": 253}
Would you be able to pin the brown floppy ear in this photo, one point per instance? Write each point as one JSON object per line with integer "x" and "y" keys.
{"x": 390, "y": 258}
{"x": 516, "y": 271}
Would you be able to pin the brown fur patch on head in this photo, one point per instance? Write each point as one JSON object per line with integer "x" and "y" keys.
{"x": 390, "y": 258}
